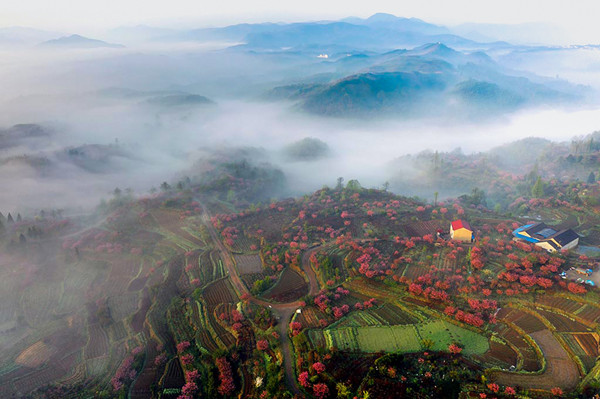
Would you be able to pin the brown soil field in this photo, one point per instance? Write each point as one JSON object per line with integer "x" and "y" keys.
{"x": 561, "y": 371}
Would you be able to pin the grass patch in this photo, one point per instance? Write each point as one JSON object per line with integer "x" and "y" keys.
{"x": 402, "y": 338}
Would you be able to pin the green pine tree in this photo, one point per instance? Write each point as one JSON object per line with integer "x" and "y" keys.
{"x": 591, "y": 178}
{"x": 537, "y": 190}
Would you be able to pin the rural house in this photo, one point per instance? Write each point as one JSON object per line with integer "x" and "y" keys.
{"x": 546, "y": 237}
{"x": 461, "y": 231}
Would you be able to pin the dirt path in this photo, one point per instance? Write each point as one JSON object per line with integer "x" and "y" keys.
{"x": 284, "y": 316}
{"x": 561, "y": 371}
{"x": 310, "y": 273}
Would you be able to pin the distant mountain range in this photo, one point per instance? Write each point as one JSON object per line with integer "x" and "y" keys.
{"x": 30, "y": 135}
{"x": 432, "y": 78}
{"x": 380, "y": 31}
{"x": 177, "y": 100}
{"x": 166, "y": 99}
{"x": 350, "y": 67}
{"x": 18, "y": 35}
{"x": 78, "y": 41}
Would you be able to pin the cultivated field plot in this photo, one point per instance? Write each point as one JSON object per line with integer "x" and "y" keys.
{"x": 9, "y": 303}
{"x": 360, "y": 319}
{"x": 443, "y": 334}
{"x": 179, "y": 325}
{"x": 562, "y": 323}
{"x": 421, "y": 228}
{"x": 215, "y": 294}
{"x": 564, "y": 304}
{"x": 244, "y": 244}
{"x": 393, "y": 339}
{"x": 560, "y": 370}
{"x": 142, "y": 386}
{"x": 38, "y": 378}
{"x": 585, "y": 348}
{"x": 122, "y": 272}
{"x": 36, "y": 355}
{"x": 250, "y": 279}
{"x": 210, "y": 268}
{"x": 531, "y": 360}
{"x": 170, "y": 221}
{"x": 117, "y": 331}
{"x": 393, "y": 315}
{"x": 494, "y": 266}
{"x": 219, "y": 292}
{"x": 289, "y": 287}
{"x": 97, "y": 343}
{"x": 310, "y": 317}
{"x": 402, "y": 338}
{"x": 121, "y": 306}
{"x": 248, "y": 264}
{"x": 589, "y": 343}
{"x": 173, "y": 376}
{"x": 138, "y": 318}
{"x": 141, "y": 278}
{"x": 589, "y": 313}
{"x": 24, "y": 380}
{"x": 270, "y": 221}
{"x": 38, "y": 302}
{"x": 413, "y": 272}
{"x": 586, "y": 311}
{"x": 499, "y": 354}
{"x": 387, "y": 315}
{"x": 524, "y": 320}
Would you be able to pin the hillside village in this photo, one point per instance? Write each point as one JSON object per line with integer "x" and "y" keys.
{"x": 310, "y": 296}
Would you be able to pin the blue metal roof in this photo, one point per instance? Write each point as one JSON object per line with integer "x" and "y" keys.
{"x": 517, "y": 233}
{"x": 520, "y": 229}
{"x": 547, "y": 232}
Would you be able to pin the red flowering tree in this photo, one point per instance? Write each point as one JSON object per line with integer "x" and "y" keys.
{"x": 227, "y": 386}
{"x": 454, "y": 349}
{"x": 304, "y": 379}
{"x": 320, "y": 390}
{"x": 262, "y": 345}
{"x": 318, "y": 367}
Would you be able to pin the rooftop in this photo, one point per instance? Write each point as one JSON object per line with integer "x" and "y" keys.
{"x": 540, "y": 232}
{"x": 460, "y": 224}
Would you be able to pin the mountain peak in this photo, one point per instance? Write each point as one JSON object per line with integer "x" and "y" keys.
{"x": 437, "y": 48}
{"x": 78, "y": 41}
{"x": 381, "y": 16}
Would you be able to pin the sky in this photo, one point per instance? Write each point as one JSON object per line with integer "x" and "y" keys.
{"x": 578, "y": 18}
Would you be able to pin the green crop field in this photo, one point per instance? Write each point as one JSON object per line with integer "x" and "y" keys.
{"x": 390, "y": 339}
{"x": 443, "y": 334}
{"x": 402, "y": 338}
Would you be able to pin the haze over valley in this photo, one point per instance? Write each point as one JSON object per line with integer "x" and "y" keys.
{"x": 388, "y": 85}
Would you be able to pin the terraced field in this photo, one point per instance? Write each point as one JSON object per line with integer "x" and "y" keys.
{"x": 560, "y": 370}
{"x": 248, "y": 264}
{"x": 500, "y": 355}
{"x": 521, "y": 319}
{"x": 531, "y": 361}
{"x": 401, "y": 338}
{"x": 562, "y": 323}
{"x": 288, "y": 288}
{"x": 387, "y": 315}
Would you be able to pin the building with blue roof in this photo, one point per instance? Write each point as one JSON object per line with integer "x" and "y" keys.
{"x": 546, "y": 237}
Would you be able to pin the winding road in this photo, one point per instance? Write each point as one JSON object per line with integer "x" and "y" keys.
{"x": 283, "y": 311}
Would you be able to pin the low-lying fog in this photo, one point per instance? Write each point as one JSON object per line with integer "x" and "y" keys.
{"x": 162, "y": 146}
{"x": 86, "y": 100}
